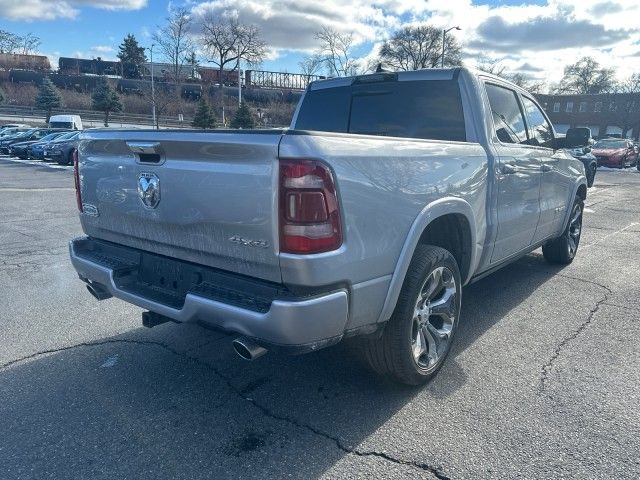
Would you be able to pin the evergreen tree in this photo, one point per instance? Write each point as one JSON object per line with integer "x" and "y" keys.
{"x": 48, "y": 97}
{"x": 132, "y": 56}
{"x": 204, "y": 117}
{"x": 105, "y": 99}
{"x": 243, "y": 118}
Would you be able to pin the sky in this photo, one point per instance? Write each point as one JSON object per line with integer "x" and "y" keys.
{"x": 534, "y": 37}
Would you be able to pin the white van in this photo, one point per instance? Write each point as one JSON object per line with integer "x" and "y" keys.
{"x": 69, "y": 122}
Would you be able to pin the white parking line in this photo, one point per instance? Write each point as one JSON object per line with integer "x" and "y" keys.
{"x": 600, "y": 240}
{"x": 38, "y": 163}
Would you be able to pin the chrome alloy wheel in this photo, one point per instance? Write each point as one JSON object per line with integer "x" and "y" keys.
{"x": 575, "y": 229}
{"x": 434, "y": 318}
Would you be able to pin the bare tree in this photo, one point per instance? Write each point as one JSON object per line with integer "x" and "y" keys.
{"x": 175, "y": 41}
{"x": 12, "y": 43}
{"x": 168, "y": 101}
{"x": 497, "y": 68}
{"x": 29, "y": 43}
{"x": 226, "y": 42}
{"x": 586, "y": 76}
{"x": 491, "y": 65}
{"x": 624, "y": 96}
{"x": 413, "y": 48}
{"x": 311, "y": 64}
{"x": 9, "y": 42}
{"x": 523, "y": 81}
{"x": 335, "y": 52}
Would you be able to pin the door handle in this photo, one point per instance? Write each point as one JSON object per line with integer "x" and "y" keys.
{"x": 509, "y": 168}
{"x": 143, "y": 147}
{"x": 546, "y": 168}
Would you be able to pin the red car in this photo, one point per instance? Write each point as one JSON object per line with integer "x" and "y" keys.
{"x": 615, "y": 152}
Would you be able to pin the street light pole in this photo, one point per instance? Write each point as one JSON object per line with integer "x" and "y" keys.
{"x": 153, "y": 90}
{"x": 239, "y": 80}
{"x": 444, "y": 34}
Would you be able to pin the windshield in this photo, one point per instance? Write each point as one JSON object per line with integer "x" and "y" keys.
{"x": 610, "y": 144}
{"x": 51, "y": 136}
{"x": 66, "y": 136}
{"x": 25, "y": 134}
{"x": 61, "y": 124}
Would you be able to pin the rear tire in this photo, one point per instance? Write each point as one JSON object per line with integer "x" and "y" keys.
{"x": 591, "y": 175}
{"x": 65, "y": 160}
{"x": 563, "y": 249}
{"x": 418, "y": 337}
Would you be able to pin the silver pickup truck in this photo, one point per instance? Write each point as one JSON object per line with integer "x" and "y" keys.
{"x": 389, "y": 192}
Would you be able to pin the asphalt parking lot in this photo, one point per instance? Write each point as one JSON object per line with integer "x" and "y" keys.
{"x": 543, "y": 381}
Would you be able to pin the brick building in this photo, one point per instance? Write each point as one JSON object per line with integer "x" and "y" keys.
{"x": 605, "y": 114}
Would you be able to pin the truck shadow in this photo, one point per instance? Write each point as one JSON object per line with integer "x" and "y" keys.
{"x": 175, "y": 401}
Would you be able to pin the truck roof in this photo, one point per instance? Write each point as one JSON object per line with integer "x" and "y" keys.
{"x": 423, "y": 74}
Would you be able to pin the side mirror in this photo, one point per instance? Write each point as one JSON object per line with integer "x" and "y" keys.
{"x": 577, "y": 137}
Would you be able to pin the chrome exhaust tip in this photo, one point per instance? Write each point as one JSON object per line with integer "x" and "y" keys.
{"x": 98, "y": 291}
{"x": 248, "y": 349}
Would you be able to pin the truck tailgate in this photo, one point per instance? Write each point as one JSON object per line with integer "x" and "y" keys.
{"x": 211, "y": 198}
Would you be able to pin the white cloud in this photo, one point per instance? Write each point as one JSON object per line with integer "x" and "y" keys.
{"x": 29, "y": 10}
{"x": 537, "y": 40}
{"x": 291, "y": 24}
{"x": 102, "y": 49}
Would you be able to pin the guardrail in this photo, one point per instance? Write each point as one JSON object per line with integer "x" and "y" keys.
{"x": 91, "y": 118}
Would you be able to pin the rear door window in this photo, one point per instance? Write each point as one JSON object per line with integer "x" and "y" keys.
{"x": 508, "y": 120}
{"x": 426, "y": 109}
{"x": 540, "y": 131}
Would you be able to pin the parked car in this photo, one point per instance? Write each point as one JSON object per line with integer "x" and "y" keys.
{"x": 12, "y": 131}
{"x": 589, "y": 161}
{"x": 23, "y": 149}
{"x": 13, "y": 137}
{"x": 49, "y": 147}
{"x": 615, "y": 153}
{"x": 60, "y": 151}
{"x": 389, "y": 192}
{"x": 31, "y": 134}
{"x": 36, "y": 150}
{"x": 14, "y": 125}
{"x": 582, "y": 136}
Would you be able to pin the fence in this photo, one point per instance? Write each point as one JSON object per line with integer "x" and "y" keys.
{"x": 90, "y": 118}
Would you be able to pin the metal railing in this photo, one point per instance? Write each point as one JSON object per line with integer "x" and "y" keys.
{"x": 90, "y": 118}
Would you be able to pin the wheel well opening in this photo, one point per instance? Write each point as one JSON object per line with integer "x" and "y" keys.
{"x": 582, "y": 192}
{"x": 453, "y": 233}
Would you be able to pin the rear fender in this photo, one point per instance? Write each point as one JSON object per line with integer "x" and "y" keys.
{"x": 574, "y": 191}
{"x": 434, "y": 210}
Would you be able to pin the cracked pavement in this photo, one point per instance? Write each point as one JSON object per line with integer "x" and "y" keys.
{"x": 543, "y": 381}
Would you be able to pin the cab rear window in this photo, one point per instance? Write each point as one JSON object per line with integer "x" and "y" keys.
{"x": 426, "y": 109}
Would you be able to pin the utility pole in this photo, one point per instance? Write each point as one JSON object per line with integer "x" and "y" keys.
{"x": 239, "y": 80}
{"x": 153, "y": 90}
{"x": 444, "y": 35}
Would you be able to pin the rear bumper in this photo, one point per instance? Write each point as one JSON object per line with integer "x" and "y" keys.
{"x": 297, "y": 324}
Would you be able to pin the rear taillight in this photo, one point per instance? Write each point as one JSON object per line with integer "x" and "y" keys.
{"x": 309, "y": 211}
{"x": 76, "y": 177}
